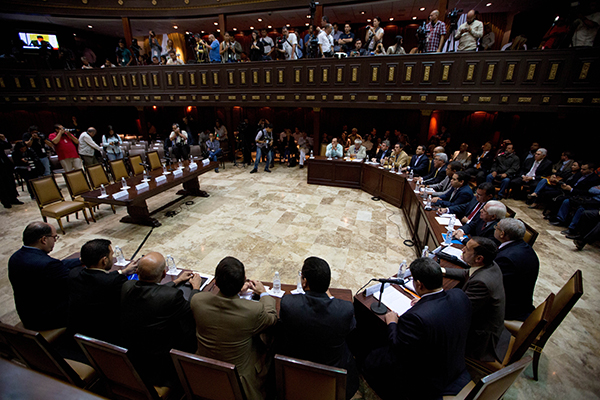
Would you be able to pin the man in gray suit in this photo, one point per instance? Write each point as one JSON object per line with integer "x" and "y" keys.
{"x": 488, "y": 339}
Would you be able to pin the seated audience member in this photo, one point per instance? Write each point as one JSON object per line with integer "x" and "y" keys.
{"x": 95, "y": 293}
{"x": 551, "y": 187}
{"x": 27, "y": 164}
{"x": 504, "y": 168}
{"x": 460, "y": 194}
{"x": 484, "y": 226}
{"x": 576, "y": 206}
{"x": 214, "y": 149}
{"x": 156, "y": 318}
{"x": 314, "y": 327}
{"x": 588, "y": 228}
{"x": 438, "y": 170}
{"x": 39, "y": 281}
{"x": 529, "y": 153}
{"x": 357, "y": 150}
{"x": 419, "y": 163}
{"x": 520, "y": 267}
{"x": 468, "y": 212}
{"x": 482, "y": 163}
{"x": 488, "y": 339}
{"x": 432, "y": 334}
{"x": 563, "y": 167}
{"x": 532, "y": 171}
{"x": 576, "y": 188}
{"x": 382, "y": 153}
{"x": 228, "y": 327}
{"x": 446, "y": 184}
{"x": 462, "y": 155}
{"x": 398, "y": 159}
{"x": 334, "y": 149}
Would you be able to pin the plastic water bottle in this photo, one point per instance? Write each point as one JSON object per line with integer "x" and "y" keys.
{"x": 276, "y": 283}
{"x": 164, "y": 169}
{"x": 452, "y": 222}
{"x": 118, "y": 253}
{"x": 102, "y": 190}
{"x": 311, "y": 154}
{"x": 428, "y": 205}
{"x": 411, "y": 175}
{"x": 171, "y": 267}
{"x": 402, "y": 270}
{"x": 425, "y": 252}
{"x": 449, "y": 233}
{"x": 123, "y": 182}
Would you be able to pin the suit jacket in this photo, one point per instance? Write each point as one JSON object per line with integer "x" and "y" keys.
{"x": 382, "y": 154}
{"x": 228, "y": 328}
{"x": 506, "y": 164}
{"x": 485, "y": 161}
{"x": 40, "y": 288}
{"x": 465, "y": 209}
{"x": 435, "y": 176}
{"x": 582, "y": 188}
{"x": 422, "y": 167}
{"x": 433, "y": 336}
{"x": 475, "y": 228}
{"x": 362, "y": 152}
{"x": 544, "y": 169}
{"x": 94, "y": 303}
{"x": 488, "y": 339}
{"x": 566, "y": 172}
{"x": 463, "y": 195}
{"x": 520, "y": 267}
{"x": 397, "y": 162}
{"x": 155, "y": 319}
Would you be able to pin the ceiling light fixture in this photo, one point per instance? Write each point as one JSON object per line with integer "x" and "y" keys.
{"x": 215, "y": 23}
{"x": 369, "y": 20}
{"x": 362, "y": 13}
{"x": 307, "y": 24}
{"x": 488, "y": 4}
{"x": 308, "y": 16}
{"x": 270, "y": 26}
{"x": 260, "y": 20}
{"x": 288, "y": 25}
{"x": 422, "y": 9}
{"x": 391, "y": 18}
{"x": 201, "y": 31}
{"x": 89, "y": 26}
{"x": 251, "y": 27}
{"x": 414, "y": 17}
{"x": 175, "y": 27}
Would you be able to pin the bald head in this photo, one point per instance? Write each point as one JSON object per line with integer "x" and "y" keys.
{"x": 439, "y": 149}
{"x": 151, "y": 267}
{"x": 434, "y": 16}
{"x": 470, "y": 16}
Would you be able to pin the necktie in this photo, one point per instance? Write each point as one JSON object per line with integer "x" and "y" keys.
{"x": 453, "y": 194}
{"x": 474, "y": 212}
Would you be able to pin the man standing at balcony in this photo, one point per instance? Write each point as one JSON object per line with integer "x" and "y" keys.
{"x": 290, "y": 42}
{"x": 267, "y": 43}
{"x": 326, "y": 42}
{"x": 436, "y": 33}
{"x": 587, "y": 27}
{"x": 469, "y": 32}
{"x": 213, "y": 53}
{"x": 346, "y": 39}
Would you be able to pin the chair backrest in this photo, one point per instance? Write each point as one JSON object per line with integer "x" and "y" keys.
{"x": 118, "y": 170}
{"x": 76, "y": 182}
{"x": 126, "y": 144}
{"x": 46, "y": 190}
{"x": 509, "y": 212}
{"x": 196, "y": 150}
{"x": 207, "y": 379}
{"x": 530, "y": 234}
{"x": 530, "y": 329}
{"x": 298, "y": 380}
{"x": 493, "y": 386}
{"x": 97, "y": 175}
{"x": 115, "y": 368}
{"x": 135, "y": 164}
{"x": 34, "y": 350}
{"x": 154, "y": 160}
{"x": 138, "y": 151}
{"x": 564, "y": 301}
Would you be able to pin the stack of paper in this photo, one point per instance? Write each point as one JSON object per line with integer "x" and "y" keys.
{"x": 394, "y": 300}
{"x": 446, "y": 220}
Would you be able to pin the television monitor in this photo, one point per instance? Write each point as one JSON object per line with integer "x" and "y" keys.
{"x": 37, "y": 40}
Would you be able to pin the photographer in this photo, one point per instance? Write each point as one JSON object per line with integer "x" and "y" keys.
{"x": 264, "y": 141}
{"x": 268, "y": 44}
{"x": 287, "y": 44}
{"x": 312, "y": 43}
{"x": 181, "y": 149}
{"x": 230, "y": 49}
{"x": 436, "y": 33}
{"x": 326, "y": 41}
{"x": 346, "y": 39}
{"x": 201, "y": 49}
{"x": 469, "y": 32}
{"x": 37, "y": 142}
{"x": 358, "y": 50}
{"x": 374, "y": 35}
{"x": 64, "y": 144}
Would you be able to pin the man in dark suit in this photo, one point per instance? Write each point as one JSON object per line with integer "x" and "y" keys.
{"x": 589, "y": 228}
{"x": 39, "y": 281}
{"x": 446, "y": 184}
{"x": 382, "y": 153}
{"x": 579, "y": 189}
{"x": 432, "y": 335}
{"x": 95, "y": 293}
{"x": 157, "y": 318}
{"x": 520, "y": 267}
{"x": 482, "y": 163}
{"x": 419, "y": 163}
{"x": 532, "y": 171}
{"x": 504, "y": 168}
{"x": 468, "y": 212}
{"x": 440, "y": 160}
{"x": 461, "y": 193}
{"x": 314, "y": 326}
{"x": 482, "y": 282}
{"x": 484, "y": 226}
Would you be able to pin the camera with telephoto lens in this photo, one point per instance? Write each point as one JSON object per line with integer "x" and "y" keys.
{"x": 280, "y": 42}
{"x": 313, "y": 47}
{"x": 70, "y": 129}
{"x": 453, "y": 17}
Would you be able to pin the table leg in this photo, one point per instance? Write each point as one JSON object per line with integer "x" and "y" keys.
{"x": 139, "y": 214}
{"x": 192, "y": 188}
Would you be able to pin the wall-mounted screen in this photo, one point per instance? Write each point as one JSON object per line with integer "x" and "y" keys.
{"x": 39, "y": 40}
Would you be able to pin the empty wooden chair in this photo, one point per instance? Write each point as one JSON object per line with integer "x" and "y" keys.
{"x": 118, "y": 170}
{"x": 196, "y": 151}
{"x": 77, "y": 184}
{"x": 207, "y": 379}
{"x": 563, "y": 302}
{"x": 138, "y": 151}
{"x": 531, "y": 234}
{"x": 493, "y": 386}
{"x": 154, "y": 160}
{"x": 52, "y": 203}
{"x": 117, "y": 371}
{"x": 98, "y": 177}
{"x": 299, "y": 380}
{"x": 40, "y": 356}
{"x": 509, "y": 212}
{"x": 51, "y": 335}
{"x": 135, "y": 162}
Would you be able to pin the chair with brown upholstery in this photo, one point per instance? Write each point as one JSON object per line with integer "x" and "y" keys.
{"x": 77, "y": 184}
{"x": 299, "y": 380}
{"x": 493, "y": 386}
{"x": 118, "y": 170}
{"x": 40, "y": 356}
{"x": 135, "y": 162}
{"x": 509, "y": 212}
{"x": 50, "y": 335}
{"x": 207, "y": 379}
{"x": 530, "y": 234}
{"x": 138, "y": 151}
{"x": 52, "y": 203}
{"x": 98, "y": 177}
{"x": 117, "y": 371}
{"x": 521, "y": 339}
{"x": 153, "y": 160}
{"x": 563, "y": 302}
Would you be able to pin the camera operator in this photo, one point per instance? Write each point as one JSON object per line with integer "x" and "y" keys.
{"x": 468, "y": 33}
{"x": 436, "y": 33}
{"x": 287, "y": 44}
{"x": 37, "y": 142}
{"x": 346, "y": 39}
{"x": 201, "y": 49}
{"x": 230, "y": 49}
{"x": 268, "y": 44}
{"x": 179, "y": 138}
{"x": 326, "y": 41}
{"x": 374, "y": 35}
{"x": 311, "y": 42}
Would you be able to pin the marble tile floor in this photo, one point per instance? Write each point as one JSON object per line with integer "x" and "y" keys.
{"x": 272, "y": 222}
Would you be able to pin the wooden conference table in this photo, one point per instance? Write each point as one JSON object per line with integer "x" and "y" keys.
{"x": 135, "y": 201}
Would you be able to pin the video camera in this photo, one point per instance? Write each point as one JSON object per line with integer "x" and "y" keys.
{"x": 313, "y": 47}
{"x": 279, "y": 42}
{"x": 453, "y": 17}
{"x": 422, "y": 33}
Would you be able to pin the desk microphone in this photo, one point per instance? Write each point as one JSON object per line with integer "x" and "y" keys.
{"x": 391, "y": 280}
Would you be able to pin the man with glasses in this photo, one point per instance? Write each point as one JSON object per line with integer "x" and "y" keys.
{"x": 39, "y": 281}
